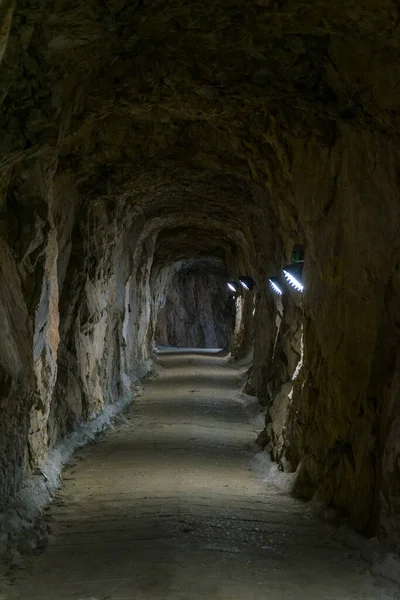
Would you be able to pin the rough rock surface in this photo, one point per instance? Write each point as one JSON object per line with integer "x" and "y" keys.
{"x": 136, "y": 135}
{"x": 198, "y": 311}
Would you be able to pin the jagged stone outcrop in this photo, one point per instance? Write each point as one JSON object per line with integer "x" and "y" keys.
{"x": 135, "y": 136}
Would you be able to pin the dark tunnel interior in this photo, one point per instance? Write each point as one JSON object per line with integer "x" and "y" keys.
{"x": 153, "y": 152}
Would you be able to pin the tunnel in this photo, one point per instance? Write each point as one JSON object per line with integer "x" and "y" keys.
{"x": 150, "y": 154}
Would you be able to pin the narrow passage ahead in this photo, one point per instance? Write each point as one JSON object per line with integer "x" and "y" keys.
{"x": 167, "y": 505}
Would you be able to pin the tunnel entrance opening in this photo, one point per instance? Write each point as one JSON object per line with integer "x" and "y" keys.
{"x": 197, "y": 310}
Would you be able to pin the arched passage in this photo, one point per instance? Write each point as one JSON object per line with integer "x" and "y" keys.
{"x": 140, "y": 137}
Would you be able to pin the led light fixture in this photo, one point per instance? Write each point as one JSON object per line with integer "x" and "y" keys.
{"x": 246, "y": 282}
{"x": 233, "y": 286}
{"x": 294, "y": 275}
{"x": 276, "y": 285}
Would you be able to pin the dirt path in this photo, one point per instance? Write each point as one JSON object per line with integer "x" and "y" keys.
{"x": 167, "y": 506}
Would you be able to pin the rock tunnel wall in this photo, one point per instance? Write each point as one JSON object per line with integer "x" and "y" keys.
{"x": 331, "y": 412}
{"x": 198, "y": 311}
{"x": 134, "y": 137}
{"x": 356, "y": 255}
{"x": 70, "y": 314}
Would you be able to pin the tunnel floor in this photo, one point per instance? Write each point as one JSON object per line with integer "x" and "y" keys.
{"x": 168, "y": 505}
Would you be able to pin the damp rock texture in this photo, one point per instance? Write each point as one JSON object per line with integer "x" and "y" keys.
{"x": 136, "y": 136}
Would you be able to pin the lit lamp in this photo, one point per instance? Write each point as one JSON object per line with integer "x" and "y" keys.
{"x": 294, "y": 275}
{"x": 276, "y": 285}
{"x": 233, "y": 286}
{"x": 247, "y": 282}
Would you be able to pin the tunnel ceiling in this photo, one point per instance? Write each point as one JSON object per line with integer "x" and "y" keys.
{"x": 178, "y": 108}
{"x": 182, "y": 243}
{"x": 144, "y": 100}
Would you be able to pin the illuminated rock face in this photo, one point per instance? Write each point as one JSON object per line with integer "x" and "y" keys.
{"x": 135, "y": 136}
{"x": 198, "y": 311}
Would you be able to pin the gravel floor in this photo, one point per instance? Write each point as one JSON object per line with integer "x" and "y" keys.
{"x": 166, "y": 505}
